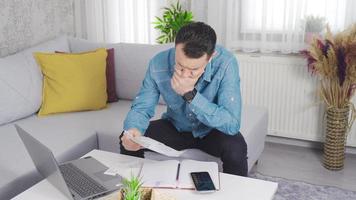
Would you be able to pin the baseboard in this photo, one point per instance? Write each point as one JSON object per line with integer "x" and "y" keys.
{"x": 302, "y": 143}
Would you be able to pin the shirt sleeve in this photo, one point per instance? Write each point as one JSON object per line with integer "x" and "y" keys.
{"x": 143, "y": 106}
{"x": 225, "y": 115}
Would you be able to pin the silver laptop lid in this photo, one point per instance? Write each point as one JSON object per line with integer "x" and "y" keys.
{"x": 44, "y": 161}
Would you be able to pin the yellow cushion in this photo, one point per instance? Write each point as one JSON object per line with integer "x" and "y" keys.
{"x": 73, "y": 82}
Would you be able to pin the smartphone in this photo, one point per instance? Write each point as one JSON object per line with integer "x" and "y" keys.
{"x": 202, "y": 182}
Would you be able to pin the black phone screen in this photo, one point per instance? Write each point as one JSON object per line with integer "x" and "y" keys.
{"x": 202, "y": 181}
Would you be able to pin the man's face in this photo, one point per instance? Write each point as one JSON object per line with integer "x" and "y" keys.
{"x": 189, "y": 67}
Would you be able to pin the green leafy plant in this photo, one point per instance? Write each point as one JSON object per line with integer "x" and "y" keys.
{"x": 314, "y": 24}
{"x": 131, "y": 188}
{"x": 173, "y": 19}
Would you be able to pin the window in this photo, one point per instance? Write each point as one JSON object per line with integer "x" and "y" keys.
{"x": 273, "y": 25}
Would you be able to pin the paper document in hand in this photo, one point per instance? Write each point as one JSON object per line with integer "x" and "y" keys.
{"x": 156, "y": 146}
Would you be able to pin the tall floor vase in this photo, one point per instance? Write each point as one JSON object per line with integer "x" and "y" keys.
{"x": 337, "y": 127}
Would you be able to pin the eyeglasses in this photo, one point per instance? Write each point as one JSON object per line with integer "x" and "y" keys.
{"x": 192, "y": 72}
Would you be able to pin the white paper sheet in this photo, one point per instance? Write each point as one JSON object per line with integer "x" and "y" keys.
{"x": 154, "y": 145}
{"x": 160, "y": 174}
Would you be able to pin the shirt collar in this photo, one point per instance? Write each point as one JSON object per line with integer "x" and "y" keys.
{"x": 207, "y": 72}
{"x": 208, "y": 69}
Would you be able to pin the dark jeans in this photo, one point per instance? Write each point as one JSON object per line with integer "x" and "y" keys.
{"x": 232, "y": 150}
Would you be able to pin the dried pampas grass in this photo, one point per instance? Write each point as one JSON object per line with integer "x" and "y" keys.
{"x": 333, "y": 59}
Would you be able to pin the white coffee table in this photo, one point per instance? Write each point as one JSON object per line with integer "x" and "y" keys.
{"x": 232, "y": 187}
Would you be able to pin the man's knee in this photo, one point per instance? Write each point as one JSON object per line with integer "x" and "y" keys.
{"x": 235, "y": 148}
{"x": 234, "y": 156}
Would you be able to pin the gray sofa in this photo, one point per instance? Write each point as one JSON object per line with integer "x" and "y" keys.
{"x": 71, "y": 135}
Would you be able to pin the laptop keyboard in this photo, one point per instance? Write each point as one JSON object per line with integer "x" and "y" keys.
{"x": 80, "y": 182}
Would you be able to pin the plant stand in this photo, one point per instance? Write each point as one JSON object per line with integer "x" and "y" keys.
{"x": 147, "y": 194}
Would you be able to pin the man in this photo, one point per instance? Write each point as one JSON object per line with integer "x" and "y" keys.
{"x": 200, "y": 84}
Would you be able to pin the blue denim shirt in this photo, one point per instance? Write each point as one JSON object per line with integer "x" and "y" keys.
{"x": 216, "y": 105}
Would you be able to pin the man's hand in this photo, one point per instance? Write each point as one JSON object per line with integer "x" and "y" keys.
{"x": 128, "y": 143}
{"x": 181, "y": 84}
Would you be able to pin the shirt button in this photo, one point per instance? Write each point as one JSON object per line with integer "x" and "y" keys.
{"x": 190, "y": 114}
{"x": 193, "y": 110}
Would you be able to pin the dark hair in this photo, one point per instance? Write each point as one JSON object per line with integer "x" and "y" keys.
{"x": 198, "y": 38}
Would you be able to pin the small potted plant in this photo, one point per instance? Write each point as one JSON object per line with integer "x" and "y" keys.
{"x": 313, "y": 26}
{"x": 132, "y": 190}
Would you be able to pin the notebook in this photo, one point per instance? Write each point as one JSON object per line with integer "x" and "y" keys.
{"x": 176, "y": 174}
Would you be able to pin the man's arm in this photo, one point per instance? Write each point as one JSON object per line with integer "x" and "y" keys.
{"x": 143, "y": 106}
{"x": 226, "y": 114}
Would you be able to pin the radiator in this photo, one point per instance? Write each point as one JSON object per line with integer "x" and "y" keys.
{"x": 283, "y": 85}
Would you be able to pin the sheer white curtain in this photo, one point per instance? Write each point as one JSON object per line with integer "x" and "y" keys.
{"x": 270, "y": 25}
{"x": 117, "y": 20}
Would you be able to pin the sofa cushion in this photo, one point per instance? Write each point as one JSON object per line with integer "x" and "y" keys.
{"x": 109, "y": 123}
{"x": 110, "y": 76}
{"x": 16, "y": 93}
{"x": 73, "y": 82}
{"x": 133, "y": 68}
{"x": 21, "y": 81}
{"x": 69, "y": 136}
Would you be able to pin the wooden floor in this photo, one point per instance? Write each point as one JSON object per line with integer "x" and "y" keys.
{"x": 305, "y": 164}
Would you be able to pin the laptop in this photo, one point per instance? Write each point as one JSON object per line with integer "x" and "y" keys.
{"x": 78, "y": 179}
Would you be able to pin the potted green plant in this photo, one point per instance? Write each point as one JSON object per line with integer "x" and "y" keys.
{"x": 132, "y": 190}
{"x": 313, "y": 26}
{"x": 333, "y": 60}
{"x": 173, "y": 19}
